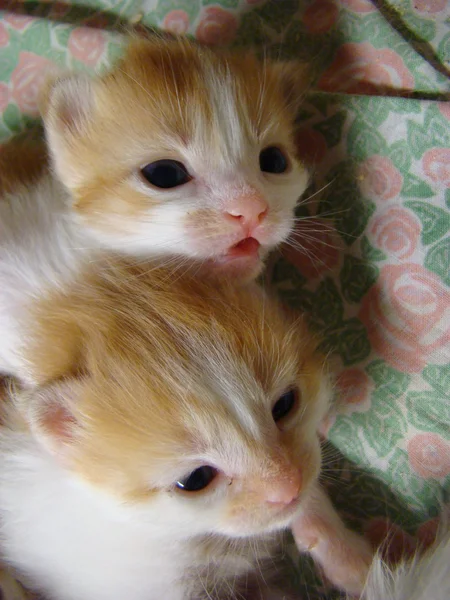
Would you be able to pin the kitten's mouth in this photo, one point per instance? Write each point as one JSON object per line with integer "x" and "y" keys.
{"x": 246, "y": 248}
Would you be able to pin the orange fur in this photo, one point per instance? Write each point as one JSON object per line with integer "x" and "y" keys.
{"x": 172, "y": 99}
{"x": 153, "y": 359}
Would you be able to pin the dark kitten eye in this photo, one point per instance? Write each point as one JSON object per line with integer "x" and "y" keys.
{"x": 272, "y": 160}
{"x": 166, "y": 174}
{"x": 284, "y": 405}
{"x": 198, "y": 479}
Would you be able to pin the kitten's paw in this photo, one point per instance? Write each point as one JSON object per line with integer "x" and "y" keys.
{"x": 10, "y": 589}
{"x": 343, "y": 555}
{"x": 348, "y": 568}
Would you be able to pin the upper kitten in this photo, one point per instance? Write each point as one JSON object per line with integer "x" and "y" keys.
{"x": 181, "y": 150}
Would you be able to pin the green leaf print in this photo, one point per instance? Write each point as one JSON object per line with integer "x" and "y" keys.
{"x": 331, "y": 128}
{"x": 223, "y": 3}
{"x": 438, "y": 260}
{"x": 369, "y": 253}
{"x": 447, "y": 198}
{"x": 328, "y": 308}
{"x": 400, "y": 155}
{"x": 342, "y": 201}
{"x": 12, "y": 118}
{"x": 389, "y": 382}
{"x": 429, "y": 411}
{"x": 438, "y": 377}
{"x": 353, "y": 344}
{"x": 356, "y": 277}
{"x": 435, "y": 221}
{"x": 428, "y": 135}
{"x": 415, "y": 187}
{"x": 363, "y": 142}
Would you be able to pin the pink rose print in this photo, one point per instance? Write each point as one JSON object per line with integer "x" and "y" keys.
{"x": 406, "y": 314}
{"x": 429, "y": 455}
{"x": 4, "y": 96}
{"x": 436, "y": 165}
{"x": 358, "y": 6}
{"x": 18, "y": 22}
{"x": 315, "y": 251}
{"x": 395, "y": 543}
{"x": 311, "y": 146}
{"x": 87, "y": 45}
{"x": 320, "y": 16}
{"x": 444, "y": 107}
{"x": 27, "y": 80}
{"x": 363, "y": 69}
{"x": 429, "y": 6}
{"x": 217, "y": 26}
{"x": 4, "y": 36}
{"x": 379, "y": 179}
{"x": 177, "y": 21}
{"x": 354, "y": 386}
{"x": 396, "y": 232}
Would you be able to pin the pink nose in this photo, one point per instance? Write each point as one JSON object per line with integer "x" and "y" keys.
{"x": 284, "y": 491}
{"x": 249, "y": 209}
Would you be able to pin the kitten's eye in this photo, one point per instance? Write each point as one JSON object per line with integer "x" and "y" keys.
{"x": 166, "y": 174}
{"x": 272, "y": 160}
{"x": 284, "y": 405}
{"x": 198, "y": 479}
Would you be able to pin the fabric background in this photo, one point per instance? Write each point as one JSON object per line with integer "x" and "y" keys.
{"x": 370, "y": 260}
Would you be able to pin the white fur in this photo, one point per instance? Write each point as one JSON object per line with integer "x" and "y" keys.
{"x": 41, "y": 247}
{"x": 424, "y": 577}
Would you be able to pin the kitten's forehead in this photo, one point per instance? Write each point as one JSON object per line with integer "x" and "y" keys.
{"x": 178, "y": 93}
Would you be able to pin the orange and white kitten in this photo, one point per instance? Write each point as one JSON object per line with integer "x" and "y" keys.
{"x": 181, "y": 151}
{"x": 171, "y": 436}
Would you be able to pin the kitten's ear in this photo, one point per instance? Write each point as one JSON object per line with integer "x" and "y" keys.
{"x": 67, "y": 107}
{"x": 295, "y": 80}
{"x": 52, "y": 416}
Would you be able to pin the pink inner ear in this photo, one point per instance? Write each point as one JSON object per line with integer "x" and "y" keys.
{"x": 59, "y": 422}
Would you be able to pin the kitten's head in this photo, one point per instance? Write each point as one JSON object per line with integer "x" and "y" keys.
{"x": 182, "y": 150}
{"x": 196, "y": 404}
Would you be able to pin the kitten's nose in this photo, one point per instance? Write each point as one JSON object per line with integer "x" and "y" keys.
{"x": 249, "y": 209}
{"x": 284, "y": 491}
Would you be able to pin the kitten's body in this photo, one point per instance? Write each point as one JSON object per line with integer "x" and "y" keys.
{"x": 144, "y": 379}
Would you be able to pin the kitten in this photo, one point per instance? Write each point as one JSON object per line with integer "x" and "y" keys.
{"x": 171, "y": 436}
{"x": 181, "y": 151}
{"x": 425, "y": 577}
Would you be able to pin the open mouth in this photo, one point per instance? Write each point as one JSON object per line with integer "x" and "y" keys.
{"x": 246, "y": 248}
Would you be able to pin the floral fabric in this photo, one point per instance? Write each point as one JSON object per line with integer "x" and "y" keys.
{"x": 370, "y": 259}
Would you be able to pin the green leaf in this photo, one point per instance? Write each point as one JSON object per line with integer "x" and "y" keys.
{"x": 389, "y": 381}
{"x": 400, "y": 155}
{"x": 286, "y": 277}
{"x": 415, "y": 187}
{"x": 428, "y": 135}
{"x": 13, "y": 118}
{"x": 429, "y": 411}
{"x": 435, "y": 221}
{"x": 357, "y": 276}
{"x": 331, "y": 128}
{"x": 369, "y": 253}
{"x": 438, "y": 377}
{"x": 62, "y": 33}
{"x": 353, "y": 344}
{"x": 363, "y": 141}
{"x": 438, "y": 260}
{"x": 346, "y": 428}
{"x": 447, "y": 197}
{"x": 342, "y": 200}
{"x": 328, "y": 308}
{"x": 384, "y": 432}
